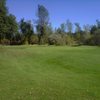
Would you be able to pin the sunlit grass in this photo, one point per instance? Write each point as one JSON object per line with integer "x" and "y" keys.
{"x": 49, "y": 73}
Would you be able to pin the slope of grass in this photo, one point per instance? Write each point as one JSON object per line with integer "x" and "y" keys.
{"x": 49, "y": 73}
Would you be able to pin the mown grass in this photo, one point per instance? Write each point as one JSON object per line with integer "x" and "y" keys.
{"x": 49, "y": 73}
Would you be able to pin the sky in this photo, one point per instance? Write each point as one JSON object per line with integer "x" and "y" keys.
{"x": 82, "y": 11}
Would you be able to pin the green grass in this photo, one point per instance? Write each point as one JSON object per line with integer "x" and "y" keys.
{"x": 49, "y": 73}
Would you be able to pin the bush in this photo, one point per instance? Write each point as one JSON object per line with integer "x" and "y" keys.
{"x": 56, "y": 39}
{"x": 70, "y": 41}
{"x": 5, "y": 42}
{"x": 94, "y": 40}
{"x": 33, "y": 39}
{"x": 15, "y": 42}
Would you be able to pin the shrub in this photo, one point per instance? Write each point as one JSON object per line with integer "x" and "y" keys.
{"x": 5, "y": 42}
{"x": 70, "y": 40}
{"x": 56, "y": 39}
{"x": 33, "y": 39}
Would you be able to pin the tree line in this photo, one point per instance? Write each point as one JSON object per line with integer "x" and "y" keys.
{"x": 42, "y": 32}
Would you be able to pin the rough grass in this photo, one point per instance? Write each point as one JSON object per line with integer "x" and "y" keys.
{"x": 49, "y": 73}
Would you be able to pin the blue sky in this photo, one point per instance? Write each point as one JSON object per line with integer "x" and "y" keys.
{"x": 82, "y": 11}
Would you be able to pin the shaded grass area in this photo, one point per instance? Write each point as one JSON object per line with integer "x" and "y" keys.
{"x": 49, "y": 73}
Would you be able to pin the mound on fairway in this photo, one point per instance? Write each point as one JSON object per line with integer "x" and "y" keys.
{"x": 49, "y": 73}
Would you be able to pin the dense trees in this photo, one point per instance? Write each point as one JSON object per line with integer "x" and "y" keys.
{"x": 8, "y": 24}
{"x": 27, "y": 31}
{"x": 95, "y": 34}
{"x": 24, "y": 32}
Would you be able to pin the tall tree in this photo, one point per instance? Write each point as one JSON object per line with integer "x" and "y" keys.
{"x": 93, "y": 29}
{"x": 49, "y": 29}
{"x": 3, "y": 8}
{"x": 69, "y": 27}
{"x": 8, "y": 24}
{"x": 63, "y": 28}
{"x": 78, "y": 28}
{"x": 42, "y": 22}
{"x": 78, "y": 33}
{"x": 86, "y": 29}
{"x": 98, "y": 23}
{"x": 3, "y": 17}
{"x": 69, "y": 37}
{"x": 26, "y": 29}
{"x": 12, "y": 27}
{"x": 95, "y": 32}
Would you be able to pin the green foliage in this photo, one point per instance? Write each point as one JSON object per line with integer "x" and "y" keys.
{"x": 95, "y": 34}
{"x": 79, "y": 34}
{"x": 70, "y": 40}
{"x": 3, "y": 27}
{"x": 27, "y": 30}
{"x": 12, "y": 27}
{"x": 56, "y": 39}
{"x": 8, "y": 24}
{"x": 63, "y": 28}
{"x": 17, "y": 39}
{"x": 49, "y": 30}
{"x": 33, "y": 39}
{"x": 3, "y": 8}
{"x": 93, "y": 29}
{"x": 95, "y": 39}
{"x": 87, "y": 34}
